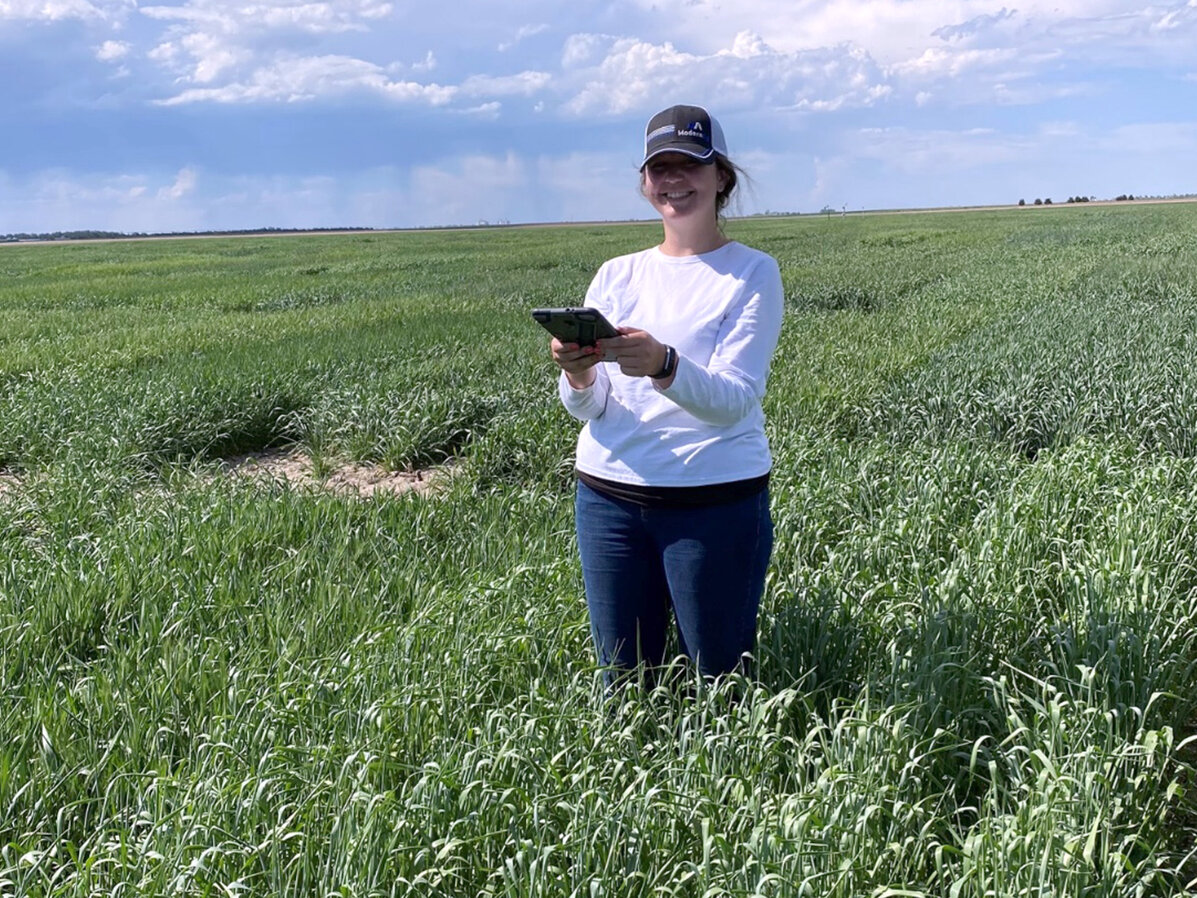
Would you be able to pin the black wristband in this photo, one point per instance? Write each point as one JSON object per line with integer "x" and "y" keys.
{"x": 669, "y": 365}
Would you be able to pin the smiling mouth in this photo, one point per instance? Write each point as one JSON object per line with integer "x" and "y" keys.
{"x": 677, "y": 196}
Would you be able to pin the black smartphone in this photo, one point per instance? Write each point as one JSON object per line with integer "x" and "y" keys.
{"x": 582, "y": 326}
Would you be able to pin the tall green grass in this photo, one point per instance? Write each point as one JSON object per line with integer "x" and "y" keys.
{"x": 977, "y": 642}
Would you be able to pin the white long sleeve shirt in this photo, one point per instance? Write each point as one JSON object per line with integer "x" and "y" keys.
{"x": 722, "y": 312}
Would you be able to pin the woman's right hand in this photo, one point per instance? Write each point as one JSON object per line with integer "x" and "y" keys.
{"x": 576, "y": 361}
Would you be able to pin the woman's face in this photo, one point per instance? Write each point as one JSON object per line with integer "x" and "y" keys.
{"x": 678, "y": 186}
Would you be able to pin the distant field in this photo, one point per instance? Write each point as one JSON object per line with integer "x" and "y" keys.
{"x": 979, "y": 635}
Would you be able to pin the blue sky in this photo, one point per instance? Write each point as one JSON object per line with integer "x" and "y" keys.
{"x": 198, "y": 115}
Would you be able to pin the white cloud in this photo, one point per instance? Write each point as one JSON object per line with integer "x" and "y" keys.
{"x": 111, "y": 51}
{"x": 226, "y": 52}
{"x": 891, "y": 30}
{"x": 212, "y": 56}
{"x": 224, "y": 40}
{"x": 977, "y": 25}
{"x": 581, "y": 49}
{"x": 165, "y": 53}
{"x": 634, "y": 74}
{"x": 321, "y": 18}
{"x": 816, "y": 56}
{"x": 898, "y": 33}
{"x": 233, "y": 18}
{"x": 812, "y": 55}
{"x": 295, "y": 79}
{"x": 489, "y": 111}
{"x": 214, "y": 18}
{"x": 522, "y": 34}
{"x": 941, "y": 62}
{"x": 59, "y": 10}
{"x": 1172, "y": 19}
{"x": 1029, "y": 93}
{"x": 184, "y": 184}
{"x": 747, "y": 45}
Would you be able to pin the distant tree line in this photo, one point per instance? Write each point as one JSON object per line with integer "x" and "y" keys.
{"x": 1073, "y": 199}
{"x": 1121, "y": 198}
{"x": 67, "y": 235}
{"x": 119, "y": 235}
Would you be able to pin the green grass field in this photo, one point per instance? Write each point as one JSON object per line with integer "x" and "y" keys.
{"x": 978, "y": 644}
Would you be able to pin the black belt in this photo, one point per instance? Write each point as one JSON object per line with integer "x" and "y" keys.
{"x": 677, "y": 496}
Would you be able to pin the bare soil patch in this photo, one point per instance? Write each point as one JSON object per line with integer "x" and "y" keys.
{"x": 295, "y": 468}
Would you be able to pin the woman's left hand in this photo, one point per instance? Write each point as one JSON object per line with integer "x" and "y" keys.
{"x": 638, "y": 352}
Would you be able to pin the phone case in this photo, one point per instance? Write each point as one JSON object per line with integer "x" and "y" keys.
{"x": 581, "y": 325}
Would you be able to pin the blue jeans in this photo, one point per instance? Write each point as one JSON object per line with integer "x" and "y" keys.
{"x": 707, "y": 564}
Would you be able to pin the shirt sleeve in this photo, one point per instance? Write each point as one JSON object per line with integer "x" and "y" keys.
{"x": 733, "y": 384}
{"x": 589, "y": 403}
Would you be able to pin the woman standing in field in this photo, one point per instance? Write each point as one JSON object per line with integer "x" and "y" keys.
{"x": 672, "y": 506}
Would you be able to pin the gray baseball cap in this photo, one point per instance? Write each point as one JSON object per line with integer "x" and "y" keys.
{"x": 684, "y": 129}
